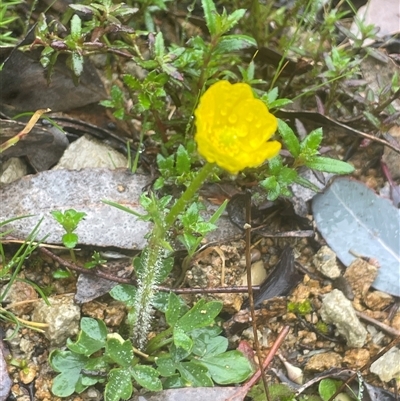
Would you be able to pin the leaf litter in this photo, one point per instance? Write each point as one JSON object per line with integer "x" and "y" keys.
{"x": 355, "y": 221}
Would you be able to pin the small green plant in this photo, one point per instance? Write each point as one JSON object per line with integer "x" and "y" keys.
{"x": 302, "y": 308}
{"x": 8, "y": 17}
{"x": 189, "y": 352}
{"x": 97, "y": 259}
{"x": 103, "y": 16}
{"x": 69, "y": 221}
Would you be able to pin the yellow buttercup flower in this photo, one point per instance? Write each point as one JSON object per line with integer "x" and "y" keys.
{"x": 233, "y": 127}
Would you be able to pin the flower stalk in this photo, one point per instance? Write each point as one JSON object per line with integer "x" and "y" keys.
{"x": 152, "y": 259}
{"x": 188, "y": 195}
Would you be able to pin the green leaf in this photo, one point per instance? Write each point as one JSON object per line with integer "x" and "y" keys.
{"x": 166, "y": 164}
{"x": 159, "y": 46}
{"x": 82, "y": 8}
{"x": 189, "y": 241}
{"x": 290, "y": 139}
{"x": 144, "y": 100}
{"x": 276, "y": 104}
{"x": 160, "y": 301}
{"x": 166, "y": 366}
{"x": 182, "y": 340}
{"x": 214, "y": 218}
{"x": 76, "y": 63}
{"x": 275, "y": 165}
{"x": 70, "y": 366}
{"x": 311, "y": 141}
{"x": 132, "y": 82}
{"x": 68, "y": 219}
{"x": 159, "y": 183}
{"x": 235, "y": 17}
{"x": 117, "y": 96}
{"x": 191, "y": 216}
{"x": 120, "y": 353}
{"x": 183, "y": 161}
{"x": 272, "y": 187}
{"x": 125, "y": 293}
{"x": 229, "y": 367}
{"x": 76, "y": 28}
{"x": 233, "y": 43}
{"x": 147, "y": 377}
{"x": 60, "y": 274}
{"x": 91, "y": 338}
{"x": 372, "y": 119}
{"x": 173, "y": 312}
{"x": 59, "y": 216}
{"x": 85, "y": 381}
{"x": 70, "y": 240}
{"x": 272, "y": 95}
{"x": 306, "y": 183}
{"x": 201, "y": 315}
{"x": 194, "y": 375}
{"x": 287, "y": 175}
{"x": 178, "y": 354}
{"x": 165, "y": 268}
{"x": 210, "y": 14}
{"x": 205, "y": 345}
{"x": 204, "y": 227}
{"x": 329, "y": 165}
{"x": 125, "y": 209}
{"x": 119, "y": 385}
{"x": 328, "y": 387}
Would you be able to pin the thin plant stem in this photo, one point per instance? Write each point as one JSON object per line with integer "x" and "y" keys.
{"x": 188, "y": 195}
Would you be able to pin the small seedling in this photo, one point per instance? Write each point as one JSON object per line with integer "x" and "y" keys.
{"x": 69, "y": 220}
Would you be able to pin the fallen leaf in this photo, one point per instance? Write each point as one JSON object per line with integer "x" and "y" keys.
{"x": 351, "y": 217}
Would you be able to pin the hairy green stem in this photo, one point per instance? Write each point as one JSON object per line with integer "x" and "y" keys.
{"x": 152, "y": 259}
{"x": 153, "y": 256}
{"x": 188, "y": 195}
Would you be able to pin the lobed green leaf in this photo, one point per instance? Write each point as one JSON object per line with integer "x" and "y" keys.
{"x": 119, "y": 385}
{"x": 120, "y": 353}
{"x": 147, "y": 377}
{"x": 91, "y": 338}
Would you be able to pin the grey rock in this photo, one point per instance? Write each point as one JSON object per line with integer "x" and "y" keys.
{"x": 338, "y": 310}
{"x": 87, "y": 152}
{"x": 62, "y": 316}
{"x": 12, "y": 169}
{"x": 325, "y": 262}
{"x": 387, "y": 367}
